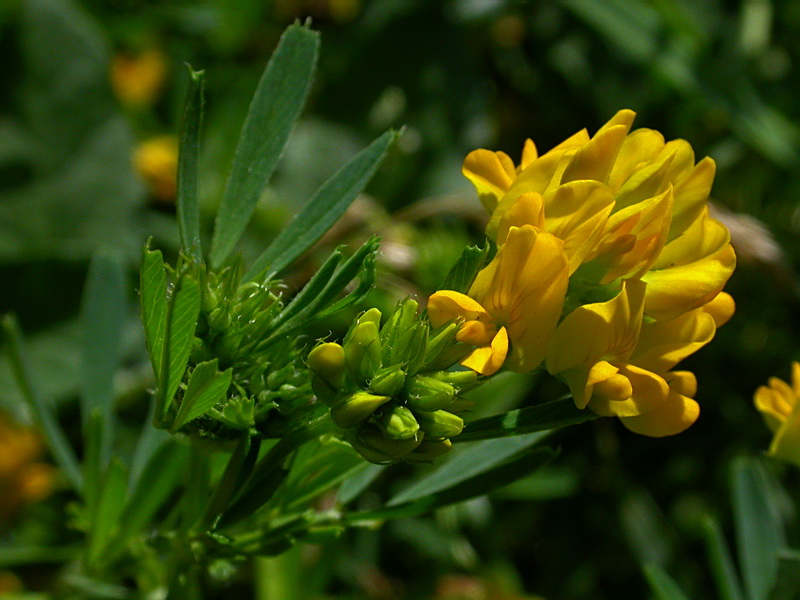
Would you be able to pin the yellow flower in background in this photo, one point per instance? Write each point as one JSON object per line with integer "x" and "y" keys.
{"x": 513, "y": 306}
{"x": 627, "y": 205}
{"x": 156, "y": 160}
{"x": 137, "y": 80}
{"x": 617, "y": 364}
{"x": 778, "y": 404}
{"x": 23, "y": 479}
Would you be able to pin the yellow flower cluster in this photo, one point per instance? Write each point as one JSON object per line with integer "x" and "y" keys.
{"x": 609, "y": 271}
{"x": 23, "y": 479}
{"x": 779, "y": 405}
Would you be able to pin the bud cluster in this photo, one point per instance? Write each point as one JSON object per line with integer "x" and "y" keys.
{"x": 388, "y": 388}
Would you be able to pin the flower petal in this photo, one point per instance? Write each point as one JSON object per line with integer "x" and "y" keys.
{"x": 528, "y": 209}
{"x": 721, "y": 308}
{"x": 675, "y": 415}
{"x": 649, "y": 392}
{"x": 488, "y": 359}
{"x": 690, "y": 271}
{"x": 663, "y": 344}
{"x": 492, "y": 173}
{"x": 447, "y": 305}
{"x": 593, "y": 331}
{"x": 596, "y": 158}
{"x": 523, "y": 288}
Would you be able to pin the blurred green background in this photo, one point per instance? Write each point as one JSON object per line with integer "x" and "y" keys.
{"x": 458, "y": 75}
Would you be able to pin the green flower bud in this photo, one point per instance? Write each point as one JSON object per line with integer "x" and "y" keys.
{"x": 411, "y": 347}
{"x": 388, "y": 381}
{"x": 219, "y": 319}
{"x": 439, "y": 424}
{"x": 397, "y": 423}
{"x": 397, "y": 327}
{"x": 326, "y": 364}
{"x": 362, "y": 351}
{"x": 440, "y": 340}
{"x": 461, "y": 380}
{"x": 428, "y": 393}
{"x": 354, "y": 408}
{"x": 429, "y": 450}
{"x": 375, "y": 447}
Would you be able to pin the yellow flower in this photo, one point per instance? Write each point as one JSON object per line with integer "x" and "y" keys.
{"x": 627, "y": 205}
{"x": 23, "y": 479}
{"x": 138, "y": 80}
{"x": 513, "y": 306}
{"x": 156, "y": 160}
{"x": 778, "y": 403}
{"x": 618, "y": 365}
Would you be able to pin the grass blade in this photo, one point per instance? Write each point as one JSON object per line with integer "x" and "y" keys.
{"x": 323, "y": 209}
{"x": 719, "y": 557}
{"x": 276, "y": 105}
{"x": 663, "y": 586}
{"x": 43, "y": 412}
{"x": 550, "y": 415}
{"x": 188, "y": 211}
{"x": 102, "y": 315}
{"x": 759, "y": 532}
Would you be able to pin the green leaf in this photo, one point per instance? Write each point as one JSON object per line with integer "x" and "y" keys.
{"x": 759, "y": 532}
{"x": 543, "y": 417}
{"x": 207, "y": 386}
{"x": 105, "y": 518}
{"x": 102, "y": 314}
{"x": 188, "y": 210}
{"x": 663, "y": 586}
{"x": 787, "y": 585}
{"x": 358, "y": 482}
{"x": 12, "y": 556}
{"x": 43, "y": 412}
{"x": 184, "y": 309}
{"x": 323, "y": 209}
{"x": 467, "y": 462}
{"x": 277, "y": 103}
{"x": 312, "y": 302}
{"x": 156, "y": 484}
{"x": 463, "y": 273}
{"x": 467, "y": 488}
{"x": 719, "y": 557}
{"x": 153, "y": 286}
{"x": 239, "y": 467}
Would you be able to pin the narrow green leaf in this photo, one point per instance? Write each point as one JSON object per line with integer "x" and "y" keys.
{"x": 467, "y": 462}
{"x": 184, "y": 309}
{"x": 107, "y": 511}
{"x": 323, "y": 209}
{"x": 93, "y": 467}
{"x": 719, "y": 557}
{"x": 787, "y": 584}
{"x": 42, "y": 410}
{"x": 463, "y": 273}
{"x": 277, "y": 103}
{"x": 153, "y": 286}
{"x": 543, "y": 417}
{"x": 239, "y": 467}
{"x": 188, "y": 210}
{"x": 358, "y": 482}
{"x": 759, "y": 532}
{"x": 662, "y": 585}
{"x": 207, "y": 386}
{"x": 471, "y": 487}
{"x": 102, "y": 315}
{"x": 16, "y": 555}
{"x": 156, "y": 484}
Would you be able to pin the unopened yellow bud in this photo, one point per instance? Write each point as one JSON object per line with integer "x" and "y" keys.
{"x": 355, "y": 408}
{"x": 362, "y": 351}
{"x": 388, "y": 381}
{"x": 326, "y": 364}
{"x": 377, "y": 448}
{"x": 398, "y": 423}
{"x": 428, "y": 393}
{"x": 439, "y": 424}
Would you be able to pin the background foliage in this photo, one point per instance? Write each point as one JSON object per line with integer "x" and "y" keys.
{"x": 458, "y": 75}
